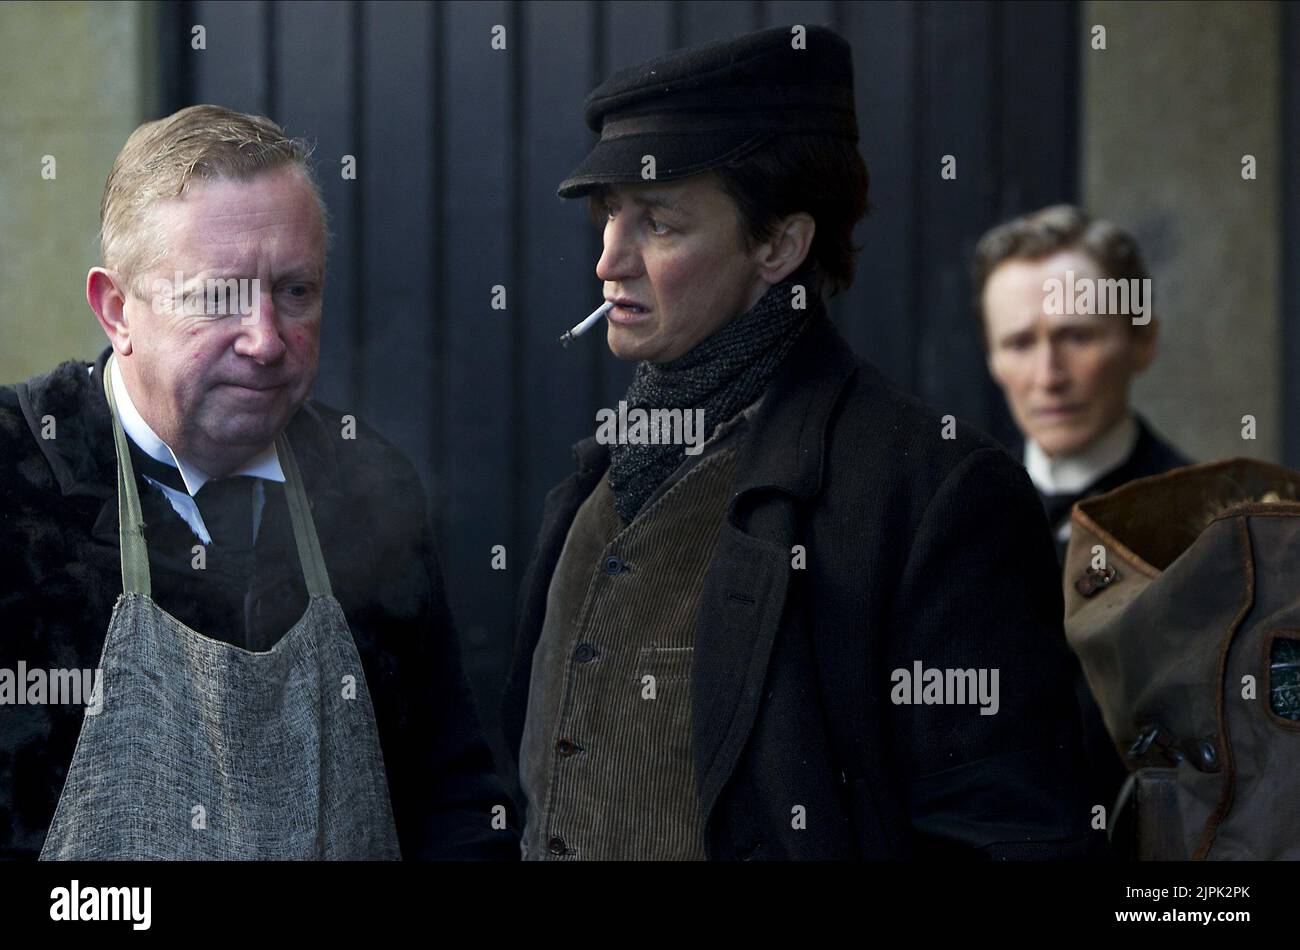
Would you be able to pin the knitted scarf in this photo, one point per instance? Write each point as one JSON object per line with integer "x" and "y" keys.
{"x": 722, "y": 375}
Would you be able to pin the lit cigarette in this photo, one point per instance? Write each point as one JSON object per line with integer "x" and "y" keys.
{"x": 587, "y": 324}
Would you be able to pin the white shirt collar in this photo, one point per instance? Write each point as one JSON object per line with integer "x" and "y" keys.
{"x": 1074, "y": 473}
{"x": 265, "y": 464}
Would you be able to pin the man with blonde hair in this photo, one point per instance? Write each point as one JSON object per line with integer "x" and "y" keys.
{"x": 246, "y": 576}
{"x": 1068, "y": 324}
{"x": 1049, "y": 289}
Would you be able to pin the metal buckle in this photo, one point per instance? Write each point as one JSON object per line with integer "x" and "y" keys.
{"x": 1094, "y": 580}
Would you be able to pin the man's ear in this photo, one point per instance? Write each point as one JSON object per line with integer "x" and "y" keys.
{"x": 787, "y": 248}
{"x": 107, "y": 297}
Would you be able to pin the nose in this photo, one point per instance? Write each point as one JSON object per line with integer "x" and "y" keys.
{"x": 1049, "y": 367}
{"x": 259, "y": 331}
{"x": 620, "y": 259}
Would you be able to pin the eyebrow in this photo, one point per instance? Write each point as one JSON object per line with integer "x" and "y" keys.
{"x": 302, "y": 271}
{"x": 1032, "y": 329}
{"x": 1014, "y": 334}
{"x": 656, "y": 200}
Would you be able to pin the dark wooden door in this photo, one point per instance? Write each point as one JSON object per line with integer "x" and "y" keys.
{"x": 459, "y": 148}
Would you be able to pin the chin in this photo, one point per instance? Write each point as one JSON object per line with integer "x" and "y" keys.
{"x": 1059, "y": 444}
{"x": 624, "y": 348}
{"x": 248, "y": 432}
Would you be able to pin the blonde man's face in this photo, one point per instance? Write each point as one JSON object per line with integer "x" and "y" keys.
{"x": 219, "y": 386}
{"x": 1065, "y": 376}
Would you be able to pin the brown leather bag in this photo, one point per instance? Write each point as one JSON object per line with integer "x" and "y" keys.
{"x": 1183, "y": 603}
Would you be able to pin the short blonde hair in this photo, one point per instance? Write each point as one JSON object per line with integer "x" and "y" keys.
{"x": 1048, "y": 231}
{"x": 162, "y": 157}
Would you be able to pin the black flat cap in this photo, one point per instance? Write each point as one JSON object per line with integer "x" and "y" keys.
{"x": 702, "y": 107}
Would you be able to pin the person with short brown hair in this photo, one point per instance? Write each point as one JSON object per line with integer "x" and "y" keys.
{"x": 724, "y": 627}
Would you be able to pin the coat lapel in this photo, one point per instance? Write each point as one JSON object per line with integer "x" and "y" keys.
{"x": 745, "y": 591}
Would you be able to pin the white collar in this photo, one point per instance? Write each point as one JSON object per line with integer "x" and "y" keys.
{"x": 1074, "y": 473}
{"x": 265, "y": 464}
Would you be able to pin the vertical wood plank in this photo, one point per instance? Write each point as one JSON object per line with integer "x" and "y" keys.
{"x": 312, "y": 66}
{"x": 557, "y": 284}
{"x": 1037, "y": 57}
{"x": 398, "y": 376}
{"x": 706, "y": 20}
{"x": 958, "y": 93}
{"x": 232, "y": 71}
{"x": 879, "y": 313}
{"x": 790, "y": 12}
{"x": 476, "y": 404}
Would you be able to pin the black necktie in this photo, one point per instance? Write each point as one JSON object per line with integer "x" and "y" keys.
{"x": 226, "y": 505}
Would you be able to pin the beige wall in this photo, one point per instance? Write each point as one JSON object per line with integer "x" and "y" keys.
{"x": 77, "y": 78}
{"x": 1181, "y": 93}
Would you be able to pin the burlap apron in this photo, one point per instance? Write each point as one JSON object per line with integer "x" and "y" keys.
{"x": 204, "y": 750}
{"x": 1176, "y": 634}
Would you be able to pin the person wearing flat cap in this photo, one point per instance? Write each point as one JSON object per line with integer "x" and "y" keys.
{"x": 829, "y": 628}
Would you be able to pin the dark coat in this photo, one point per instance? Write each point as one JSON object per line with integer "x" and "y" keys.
{"x": 60, "y": 577}
{"x": 1151, "y": 455}
{"x": 918, "y": 548}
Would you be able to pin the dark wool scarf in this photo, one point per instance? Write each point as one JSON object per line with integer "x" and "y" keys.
{"x": 722, "y": 376}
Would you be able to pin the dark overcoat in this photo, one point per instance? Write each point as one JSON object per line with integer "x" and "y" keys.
{"x": 60, "y": 576}
{"x": 919, "y": 547}
{"x": 1151, "y": 455}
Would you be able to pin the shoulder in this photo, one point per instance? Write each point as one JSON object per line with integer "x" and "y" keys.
{"x": 55, "y": 403}
{"x": 904, "y": 444}
{"x": 366, "y": 463}
{"x": 60, "y": 392}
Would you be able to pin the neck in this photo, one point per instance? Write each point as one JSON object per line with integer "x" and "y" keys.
{"x": 1058, "y": 473}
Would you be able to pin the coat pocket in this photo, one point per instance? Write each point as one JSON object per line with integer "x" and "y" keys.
{"x": 664, "y": 664}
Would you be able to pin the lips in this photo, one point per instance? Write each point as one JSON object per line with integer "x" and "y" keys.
{"x": 626, "y": 310}
{"x": 255, "y": 388}
{"x": 627, "y": 303}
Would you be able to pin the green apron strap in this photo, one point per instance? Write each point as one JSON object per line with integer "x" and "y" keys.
{"x": 130, "y": 517}
{"x": 304, "y": 528}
